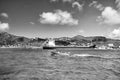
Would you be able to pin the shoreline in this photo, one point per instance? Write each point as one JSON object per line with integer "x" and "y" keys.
{"x": 57, "y": 48}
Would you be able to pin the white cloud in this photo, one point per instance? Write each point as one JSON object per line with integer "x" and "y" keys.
{"x": 93, "y": 3}
{"x": 115, "y": 34}
{"x": 54, "y": 0}
{"x": 32, "y": 23}
{"x": 97, "y": 5}
{"x": 58, "y": 17}
{"x": 4, "y": 15}
{"x": 78, "y": 5}
{"x": 100, "y": 7}
{"x": 81, "y": 31}
{"x": 4, "y": 26}
{"x": 73, "y": 2}
{"x": 118, "y": 3}
{"x": 109, "y": 16}
{"x": 70, "y": 1}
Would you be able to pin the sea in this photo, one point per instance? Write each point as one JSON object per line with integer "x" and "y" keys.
{"x": 39, "y": 64}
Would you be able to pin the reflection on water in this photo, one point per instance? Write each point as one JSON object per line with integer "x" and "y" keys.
{"x": 37, "y": 64}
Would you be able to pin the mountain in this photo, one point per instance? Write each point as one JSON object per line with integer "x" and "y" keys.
{"x": 92, "y": 38}
{"x": 79, "y": 39}
{"x": 9, "y": 39}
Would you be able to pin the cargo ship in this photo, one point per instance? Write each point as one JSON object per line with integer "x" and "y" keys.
{"x": 52, "y": 47}
{"x": 50, "y": 44}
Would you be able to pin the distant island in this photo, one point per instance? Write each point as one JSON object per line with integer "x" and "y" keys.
{"x": 12, "y": 41}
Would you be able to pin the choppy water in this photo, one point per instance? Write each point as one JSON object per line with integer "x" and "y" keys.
{"x": 94, "y": 53}
{"x": 37, "y": 64}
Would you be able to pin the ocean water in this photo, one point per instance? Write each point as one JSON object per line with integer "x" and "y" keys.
{"x": 38, "y": 64}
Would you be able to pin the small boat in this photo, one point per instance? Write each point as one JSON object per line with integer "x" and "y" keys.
{"x": 60, "y": 53}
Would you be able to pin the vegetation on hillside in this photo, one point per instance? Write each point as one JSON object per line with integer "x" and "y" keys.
{"x": 9, "y": 39}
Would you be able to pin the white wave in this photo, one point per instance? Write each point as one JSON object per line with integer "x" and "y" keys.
{"x": 81, "y": 55}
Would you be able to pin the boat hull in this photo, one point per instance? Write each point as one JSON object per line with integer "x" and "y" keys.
{"x": 65, "y": 47}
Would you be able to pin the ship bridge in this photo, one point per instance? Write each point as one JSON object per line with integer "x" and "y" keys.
{"x": 50, "y": 42}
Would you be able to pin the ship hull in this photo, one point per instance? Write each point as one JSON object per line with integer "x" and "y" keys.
{"x": 65, "y": 47}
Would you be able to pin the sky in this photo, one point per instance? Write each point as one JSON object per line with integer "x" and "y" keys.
{"x": 60, "y": 18}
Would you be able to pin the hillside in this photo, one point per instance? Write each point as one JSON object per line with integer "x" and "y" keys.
{"x": 97, "y": 40}
{"x": 9, "y": 39}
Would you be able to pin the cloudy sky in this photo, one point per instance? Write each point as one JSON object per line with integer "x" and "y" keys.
{"x": 57, "y": 18}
